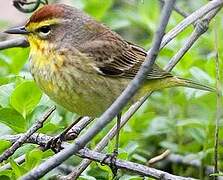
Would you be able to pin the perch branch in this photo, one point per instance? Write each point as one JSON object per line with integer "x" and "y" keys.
{"x": 42, "y": 140}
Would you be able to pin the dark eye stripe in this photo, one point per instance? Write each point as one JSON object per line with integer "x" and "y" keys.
{"x": 44, "y": 29}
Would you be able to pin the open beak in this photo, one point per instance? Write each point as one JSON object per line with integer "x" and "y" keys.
{"x": 17, "y": 30}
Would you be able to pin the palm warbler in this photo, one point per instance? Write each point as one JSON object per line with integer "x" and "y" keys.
{"x": 83, "y": 65}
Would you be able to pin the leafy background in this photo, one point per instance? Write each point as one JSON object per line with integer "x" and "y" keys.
{"x": 179, "y": 119}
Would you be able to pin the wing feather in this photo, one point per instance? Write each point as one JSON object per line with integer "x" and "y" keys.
{"x": 119, "y": 58}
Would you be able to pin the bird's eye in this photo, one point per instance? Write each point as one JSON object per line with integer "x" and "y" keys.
{"x": 44, "y": 31}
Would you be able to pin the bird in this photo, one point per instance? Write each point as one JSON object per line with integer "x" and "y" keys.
{"x": 83, "y": 65}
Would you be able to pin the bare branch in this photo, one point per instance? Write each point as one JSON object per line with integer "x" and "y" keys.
{"x": 77, "y": 128}
{"x": 190, "y": 20}
{"x": 218, "y": 101}
{"x": 19, "y": 42}
{"x": 23, "y": 138}
{"x": 42, "y": 140}
{"x": 159, "y": 158}
{"x": 134, "y": 167}
{"x": 18, "y": 160}
{"x": 177, "y": 9}
{"x": 200, "y": 28}
{"x": 188, "y": 161}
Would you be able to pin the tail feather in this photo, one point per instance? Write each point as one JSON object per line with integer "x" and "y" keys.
{"x": 195, "y": 85}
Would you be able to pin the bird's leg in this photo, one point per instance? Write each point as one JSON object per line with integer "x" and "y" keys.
{"x": 56, "y": 141}
{"x": 119, "y": 116}
{"x": 112, "y": 157}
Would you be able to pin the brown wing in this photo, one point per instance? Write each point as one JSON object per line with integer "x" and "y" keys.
{"x": 119, "y": 58}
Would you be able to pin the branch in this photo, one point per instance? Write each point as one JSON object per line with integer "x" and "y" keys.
{"x": 218, "y": 101}
{"x": 42, "y": 140}
{"x": 71, "y": 135}
{"x": 25, "y": 136}
{"x": 77, "y": 128}
{"x": 115, "y": 107}
{"x": 19, "y": 42}
{"x": 18, "y": 160}
{"x": 177, "y": 9}
{"x": 200, "y": 28}
{"x": 190, "y": 20}
{"x": 134, "y": 167}
{"x": 186, "y": 160}
{"x": 19, "y": 4}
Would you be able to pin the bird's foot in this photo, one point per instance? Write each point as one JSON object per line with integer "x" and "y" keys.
{"x": 112, "y": 161}
{"x": 67, "y": 134}
{"x": 55, "y": 143}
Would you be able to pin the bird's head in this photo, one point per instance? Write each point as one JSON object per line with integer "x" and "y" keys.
{"x": 52, "y": 25}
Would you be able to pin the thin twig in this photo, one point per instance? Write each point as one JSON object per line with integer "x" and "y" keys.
{"x": 189, "y": 161}
{"x": 200, "y": 28}
{"x": 18, "y": 160}
{"x": 19, "y": 4}
{"x": 198, "y": 14}
{"x": 113, "y": 110}
{"x": 38, "y": 124}
{"x": 19, "y": 42}
{"x": 160, "y": 157}
{"x": 77, "y": 128}
{"x": 177, "y": 9}
{"x": 218, "y": 102}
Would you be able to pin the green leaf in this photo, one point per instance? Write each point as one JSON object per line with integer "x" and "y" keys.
{"x": 169, "y": 145}
{"x": 12, "y": 119}
{"x": 97, "y": 8}
{"x": 216, "y": 174}
{"x": 5, "y": 92}
{"x": 139, "y": 158}
{"x": 7, "y": 79}
{"x": 33, "y": 158}
{"x": 25, "y": 97}
{"x": 50, "y": 128}
{"x": 4, "y": 145}
{"x": 47, "y": 153}
{"x": 17, "y": 169}
{"x": 86, "y": 177}
{"x": 16, "y": 58}
{"x": 6, "y": 175}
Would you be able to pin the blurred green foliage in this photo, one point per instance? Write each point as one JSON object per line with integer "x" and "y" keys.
{"x": 179, "y": 119}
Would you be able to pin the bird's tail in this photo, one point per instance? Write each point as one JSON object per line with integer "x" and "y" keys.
{"x": 192, "y": 84}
